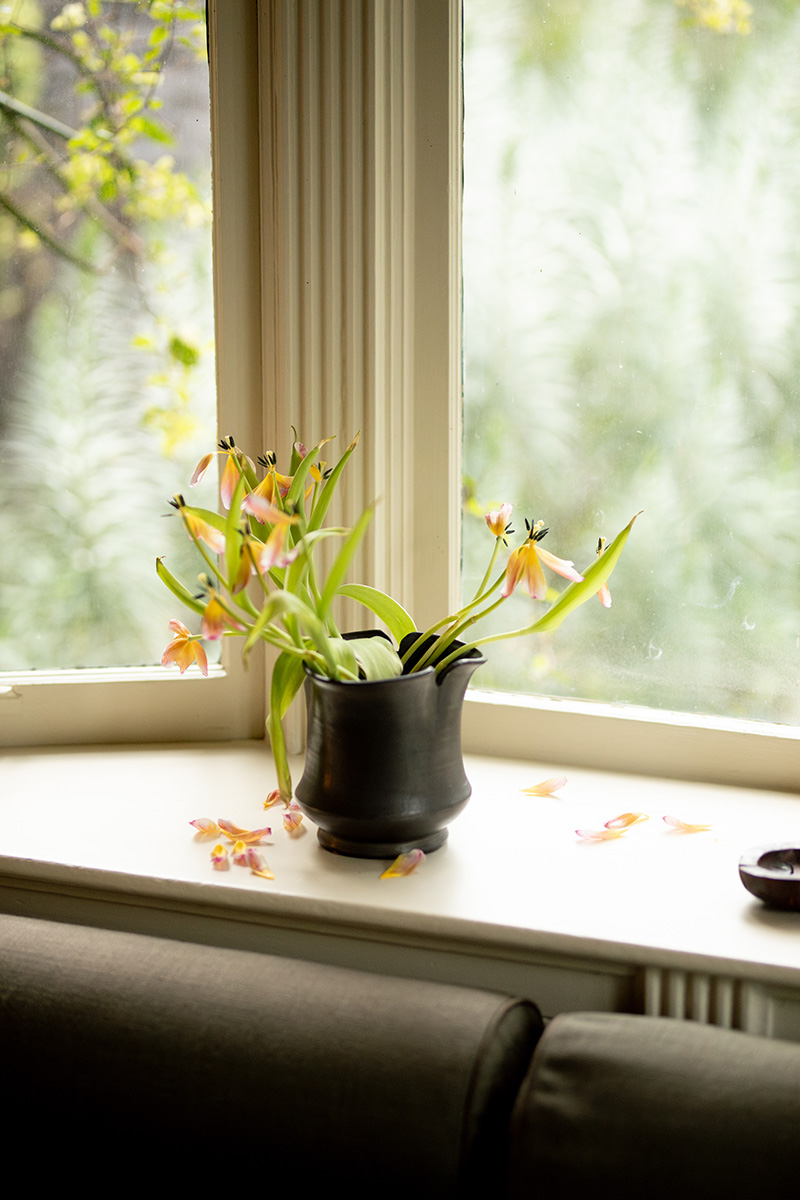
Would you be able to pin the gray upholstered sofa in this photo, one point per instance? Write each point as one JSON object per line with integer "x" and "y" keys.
{"x": 132, "y": 1061}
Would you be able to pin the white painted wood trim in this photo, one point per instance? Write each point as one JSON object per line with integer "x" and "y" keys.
{"x": 361, "y": 254}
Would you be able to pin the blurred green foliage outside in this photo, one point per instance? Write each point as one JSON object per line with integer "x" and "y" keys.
{"x": 632, "y": 306}
{"x": 107, "y": 391}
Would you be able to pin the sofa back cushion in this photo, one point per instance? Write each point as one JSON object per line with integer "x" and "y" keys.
{"x": 658, "y": 1108}
{"x": 130, "y": 1053}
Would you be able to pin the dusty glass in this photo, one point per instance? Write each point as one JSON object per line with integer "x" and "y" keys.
{"x": 107, "y": 391}
{"x": 632, "y": 294}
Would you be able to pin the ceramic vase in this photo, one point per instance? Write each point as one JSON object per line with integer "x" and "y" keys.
{"x": 383, "y": 771}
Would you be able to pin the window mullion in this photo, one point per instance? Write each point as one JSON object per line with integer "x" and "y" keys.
{"x": 343, "y": 229}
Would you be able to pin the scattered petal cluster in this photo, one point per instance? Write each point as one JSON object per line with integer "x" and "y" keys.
{"x": 618, "y": 826}
{"x": 599, "y": 835}
{"x": 243, "y": 852}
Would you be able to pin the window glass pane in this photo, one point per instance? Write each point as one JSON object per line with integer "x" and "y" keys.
{"x": 632, "y": 295}
{"x": 107, "y": 395}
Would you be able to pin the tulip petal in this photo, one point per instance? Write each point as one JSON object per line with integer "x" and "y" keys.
{"x": 180, "y": 653}
{"x": 216, "y": 619}
{"x": 200, "y": 656}
{"x": 239, "y": 854}
{"x": 274, "y": 552}
{"x": 546, "y": 787}
{"x": 257, "y": 864}
{"x": 562, "y": 566}
{"x": 230, "y": 477}
{"x": 404, "y": 864}
{"x": 273, "y": 798}
{"x": 262, "y": 508}
{"x": 599, "y": 835}
{"x": 219, "y": 858}
{"x": 293, "y": 821}
{"x": 200, "y": 469}
{"x": 531, "y": 575}
{"x": 184, "y": 649}
{"x": 605, "y": 596}
{"x": 625, "y": 820}
{"x": 235, "y": 833}
{"x": 213, "y": 538}
{"x": 207, "y": 827}
{"x": 685, "y": 826}
{"x": 498, "y": 519}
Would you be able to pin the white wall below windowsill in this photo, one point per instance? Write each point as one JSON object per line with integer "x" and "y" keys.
{"x": 655, "y": 921}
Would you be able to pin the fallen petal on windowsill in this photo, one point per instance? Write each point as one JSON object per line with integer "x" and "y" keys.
{"x": 257, "y": 864}
{"x": 239, "y": 854}
{"x": 685, "y": 826}
{"x": 625, "y": 820}
{"x": 206, "y": 827}
{"x": 546, "y": 787}
{"x": 293, "y": 821}
{"x": 404, "y": 864}
{"x": 236, "y": 833}
{"x": 219, "y": 858}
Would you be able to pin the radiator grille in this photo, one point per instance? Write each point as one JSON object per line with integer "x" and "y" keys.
{"x": 708, "y": 999}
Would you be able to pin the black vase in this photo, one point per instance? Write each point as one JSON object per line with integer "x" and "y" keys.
{"x": 383, "y": 771}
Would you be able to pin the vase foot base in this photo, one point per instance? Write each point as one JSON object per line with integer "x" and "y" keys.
{"x": 353, "y": 849}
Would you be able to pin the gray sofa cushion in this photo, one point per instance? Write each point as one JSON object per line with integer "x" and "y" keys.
{"x": 657, "y": 1108}
{"x": 204, "y": 1059}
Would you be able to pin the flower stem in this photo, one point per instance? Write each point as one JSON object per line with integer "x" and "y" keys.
{"x": 460, "y": 651}
{"x": 455, "y": 621}
{"x": 489, "y": 569}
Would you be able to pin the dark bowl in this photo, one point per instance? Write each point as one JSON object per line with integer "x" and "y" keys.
{"x": 773, "y": 874}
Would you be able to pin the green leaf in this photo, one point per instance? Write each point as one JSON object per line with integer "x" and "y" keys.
{"x": 343, "y": 655}
{"x": 287, "y": 679}
{"x": 182, "y": 352}
{"x": 276, "y": 606}
{"x": 297, "y": 569}
{"x": 295, "y": 495}
{"x": 214, "y": 519}
{"x": 283, "y": 605}
{"x": 578, "y": 593}
{"x": 342, "y": 562}
{"x": 233, "y": 537}
{"x": 393, "y": 615}
{"x": 296, "y": 458}
{"x": 178, "y": 589}
{"x": 376, "y": 657}
{"x": 326, "y": 495}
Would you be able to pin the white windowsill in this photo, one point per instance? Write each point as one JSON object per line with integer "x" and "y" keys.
{"x": 102, "y": 835}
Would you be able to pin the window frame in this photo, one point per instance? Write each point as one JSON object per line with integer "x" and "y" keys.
{"x": 611, "y": 737}
{"x": 123, "y": 705}
{"x": 336, "y": 127}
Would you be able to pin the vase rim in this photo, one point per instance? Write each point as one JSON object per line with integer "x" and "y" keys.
{"x": 361, "y": 682}
{"x": 474, "y": 658}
